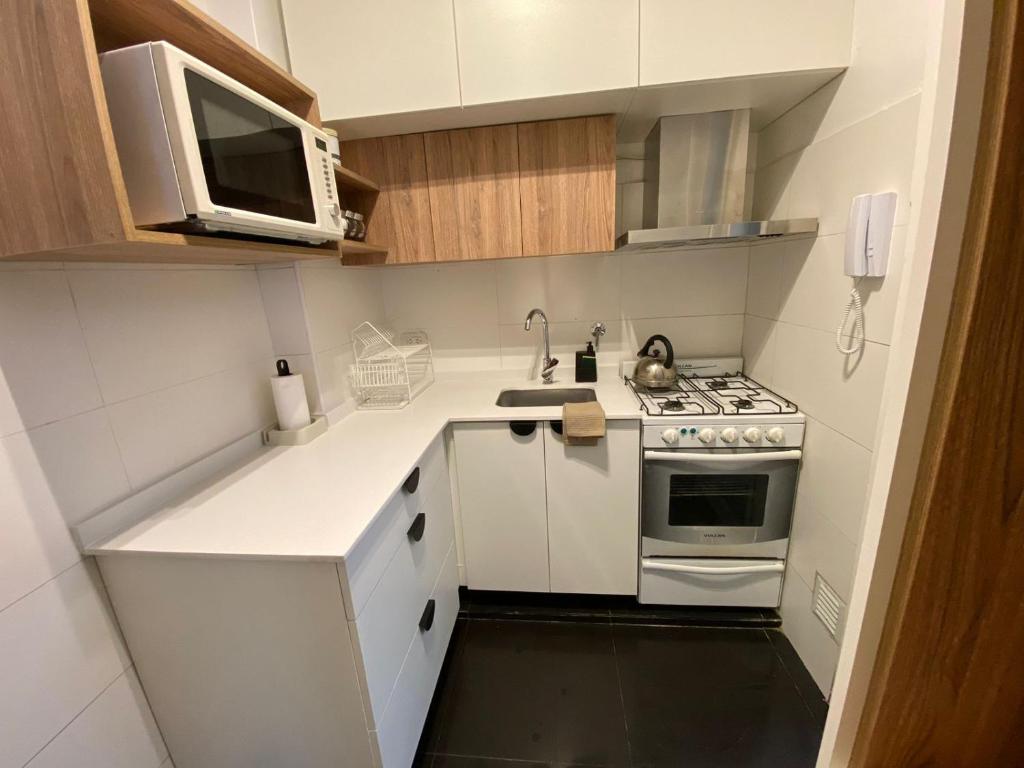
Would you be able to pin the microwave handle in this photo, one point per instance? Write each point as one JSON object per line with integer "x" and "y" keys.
{"x": 651, "y": 565}
{"x": 683, "y": 457}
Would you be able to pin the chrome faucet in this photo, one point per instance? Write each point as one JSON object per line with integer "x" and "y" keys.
{"x": 548, "y": 364}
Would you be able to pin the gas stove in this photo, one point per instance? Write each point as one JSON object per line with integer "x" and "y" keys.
{"x": 713, "y": 398}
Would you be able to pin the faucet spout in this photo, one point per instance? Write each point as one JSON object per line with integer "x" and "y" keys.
{"x": 547, "y": 371}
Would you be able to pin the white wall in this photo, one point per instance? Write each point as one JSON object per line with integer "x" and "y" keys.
{"x": 474, "y": 312}
{"x": 855, "y": 135}
{"x": 111, "y": 377}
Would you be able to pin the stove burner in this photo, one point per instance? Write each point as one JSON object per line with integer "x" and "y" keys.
{"x": 718, "y": 384}
{"x": 672, "y": 405}
{"x": 742, "y": 404}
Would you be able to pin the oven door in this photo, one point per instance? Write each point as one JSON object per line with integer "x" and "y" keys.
{"x": 717, "y": 504}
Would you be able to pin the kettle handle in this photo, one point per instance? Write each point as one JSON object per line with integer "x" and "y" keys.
{"x": 646, "y": 349}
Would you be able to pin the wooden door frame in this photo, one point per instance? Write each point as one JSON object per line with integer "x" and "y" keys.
{"x": 948, "y": 682}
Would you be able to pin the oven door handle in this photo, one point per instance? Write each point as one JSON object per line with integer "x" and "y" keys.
{"x": 651, "y": 565}
{"x": 688, "y": 457}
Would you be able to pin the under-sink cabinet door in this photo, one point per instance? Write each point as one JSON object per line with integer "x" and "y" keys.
{"x": 593, "y": 495}
{"x": 502, "y": 500}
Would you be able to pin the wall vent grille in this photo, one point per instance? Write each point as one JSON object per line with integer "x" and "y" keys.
{"x": 828, "y": 607}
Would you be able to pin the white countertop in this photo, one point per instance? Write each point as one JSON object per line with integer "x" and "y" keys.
{"x": 314, "y": 502}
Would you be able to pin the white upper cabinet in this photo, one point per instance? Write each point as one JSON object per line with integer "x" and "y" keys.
{"x": 685, "y": 40}
{"x": 374, "y": 58}
{"x": 529, "y": 49}
{"x": 258, "y": 22}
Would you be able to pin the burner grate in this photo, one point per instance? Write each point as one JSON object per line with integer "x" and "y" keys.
{"x": 711, "y": 396}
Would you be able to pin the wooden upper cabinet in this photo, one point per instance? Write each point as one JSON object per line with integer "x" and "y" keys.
{"x": 400, "y": 216}
{"x": 567, "y": 185}
{"x": 473, "y": 180}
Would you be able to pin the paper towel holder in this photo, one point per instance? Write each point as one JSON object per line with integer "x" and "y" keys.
{"x": 296, "y": 436}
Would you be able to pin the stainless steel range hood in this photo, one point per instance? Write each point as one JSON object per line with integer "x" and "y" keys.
{"x": 695, "y": 186}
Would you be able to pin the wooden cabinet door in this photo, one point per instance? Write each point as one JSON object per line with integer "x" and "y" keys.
{"x": 593, "y": 495}
{"x": 473, "y": 178}
{"x": 400, "y": 216}
{"x": 502, "y": 505}
{"x": 567, "y": 185}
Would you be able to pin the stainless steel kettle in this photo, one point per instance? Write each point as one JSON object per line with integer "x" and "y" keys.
{"x": 650, "y": 371}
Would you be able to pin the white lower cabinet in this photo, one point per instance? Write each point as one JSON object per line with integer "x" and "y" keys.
{"x": 539, "y": 515}
{"x": 502, "y": 503}
{"x": 593, "y": 494}
{"x": 305, "y": 664}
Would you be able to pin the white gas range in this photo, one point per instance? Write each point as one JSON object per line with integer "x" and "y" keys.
{"x": 721, "y": 454}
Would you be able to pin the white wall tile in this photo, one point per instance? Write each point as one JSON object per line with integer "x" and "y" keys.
{"x": 442, "y": 295}
{"x": 42, "y": 353}
{"x": 81, "y": 462}
{"x": 759, "y": 349}
{"x": 332, "y": 366}
{"x": 773, "y": 188}
{"x": 874, "y": 155}
{"x": 843, "y": 392}
{"x": 61, "y": 648}
{"x": 117, "y": 730}
{"x": 684, "y": 283}
{"x": 708, "y": 335}
{"x": 152, "y": 329}
{"x": 567, "y": 288}
{"x": 764, "y": 278}
{"x": 337, "y": 299}
{"x": 817, "y": 545}
{"x": 817, "y": 650}
{"x": 523, "y": 350}
{"x": 465, "y": 347}
{"x": 834, "y": 478}
{"x": 35, "y": 544}
{"x": 286, "y": 316}
{"x": 163, "y": 431}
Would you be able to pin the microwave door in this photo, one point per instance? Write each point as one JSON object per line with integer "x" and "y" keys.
{"x": 252, "y": 160}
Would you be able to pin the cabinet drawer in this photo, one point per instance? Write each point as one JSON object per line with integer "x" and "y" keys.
{"x": 370, "y": 557}
{"x": 392, "y": 613}
{"x": 400, "y": 728}
{"x": 696, "y": 581}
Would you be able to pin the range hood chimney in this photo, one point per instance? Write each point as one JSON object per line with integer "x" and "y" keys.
{"x": 695, "y": 186}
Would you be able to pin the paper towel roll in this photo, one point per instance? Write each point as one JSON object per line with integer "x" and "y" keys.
{"x": 290, "y": 398}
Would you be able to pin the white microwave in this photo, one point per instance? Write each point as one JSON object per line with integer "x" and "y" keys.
{"x": 200, "y": 152}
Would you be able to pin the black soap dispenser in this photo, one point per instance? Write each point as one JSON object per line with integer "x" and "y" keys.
{"x": 586, "y": 364}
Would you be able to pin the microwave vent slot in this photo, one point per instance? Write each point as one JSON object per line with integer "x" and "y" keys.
{"x": 828, "y": 607}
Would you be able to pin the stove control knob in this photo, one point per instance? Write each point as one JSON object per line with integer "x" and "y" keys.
{"x": 707, "y": 435}
{"x": 729, "y": 435}
{"x": 670, "y": 436}
{"x": 752, "y": 434}
{"x": 775, "y": 435}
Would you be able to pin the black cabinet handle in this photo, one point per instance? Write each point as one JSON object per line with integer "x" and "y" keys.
{"x": 412, "y": 482}
{"x": 556, "y": 427}
{"x": 427, "y": 619}
{"x": 522, "y": 428}
{"x": 419, "y": 523}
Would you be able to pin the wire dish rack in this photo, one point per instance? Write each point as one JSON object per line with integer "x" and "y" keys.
{"x": 390, "y": 369}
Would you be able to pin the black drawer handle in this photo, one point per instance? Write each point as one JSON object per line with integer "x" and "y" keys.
{"x": 556, "y": 427}
{"x": 412, "y": 482}
{"x": 416, "y": 529}
{"x": 427, "y": 619}
{"x": 522, "y": 428}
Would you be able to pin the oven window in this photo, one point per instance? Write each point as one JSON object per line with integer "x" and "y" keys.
{"x": 717, "y": 500}
{"x": 252, "y": 159}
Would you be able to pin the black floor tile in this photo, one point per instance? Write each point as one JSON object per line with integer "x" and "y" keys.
{"x": 710, "y": 697}
{"x": 805, "y": 685}
{"x": 545, "y": 692}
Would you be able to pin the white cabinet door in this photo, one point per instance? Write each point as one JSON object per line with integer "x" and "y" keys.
{"x": 683, "y": 40}
{"x": 502, "y": 505}
{"x": 594, "y": 511}
{"x": 374, "y": 57}
{"x": 258, "y": 22}
{"x": 534, "y": 48}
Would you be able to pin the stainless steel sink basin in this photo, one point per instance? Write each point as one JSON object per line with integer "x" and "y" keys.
{"x": 524, "y": 398}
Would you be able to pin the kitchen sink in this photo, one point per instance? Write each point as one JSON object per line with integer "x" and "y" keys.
{"x": 524, "y": 398}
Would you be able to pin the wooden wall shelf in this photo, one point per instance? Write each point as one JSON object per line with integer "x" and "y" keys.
{"x": 353, "y": 180}
{"x": 70, "y": 201}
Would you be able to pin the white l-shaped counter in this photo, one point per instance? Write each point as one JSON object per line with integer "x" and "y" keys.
{"x": 316, "y": 501}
